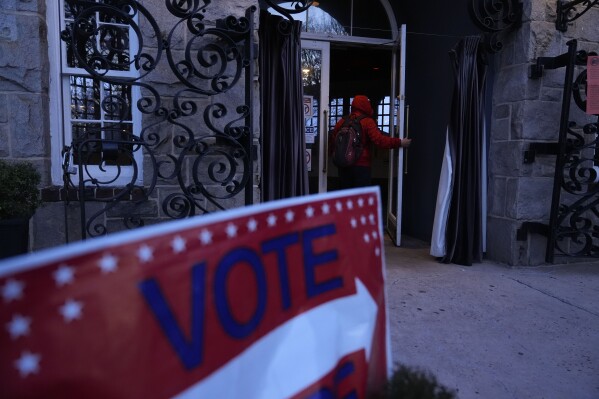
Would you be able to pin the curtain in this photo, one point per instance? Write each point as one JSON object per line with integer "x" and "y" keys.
{"x": 459, "y": 227}
{"x": 284, "y": 171}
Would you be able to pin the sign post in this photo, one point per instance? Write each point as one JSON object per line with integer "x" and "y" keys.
{"x": 278, "y": 300}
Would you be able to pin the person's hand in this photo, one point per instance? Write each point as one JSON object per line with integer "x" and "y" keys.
{"x": 406, "y": 142}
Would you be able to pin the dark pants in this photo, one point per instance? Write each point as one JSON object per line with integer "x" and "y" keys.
{"x": 354, "y": 176}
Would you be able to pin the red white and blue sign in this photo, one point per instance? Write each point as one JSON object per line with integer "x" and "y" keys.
{"x": 278, "y": 300}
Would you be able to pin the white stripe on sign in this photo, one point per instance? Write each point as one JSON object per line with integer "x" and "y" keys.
{"x": 295, "y": 354}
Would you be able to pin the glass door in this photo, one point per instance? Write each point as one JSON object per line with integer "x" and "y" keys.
{"x": 397, "y": 157}
{"x": 315, "y": 76}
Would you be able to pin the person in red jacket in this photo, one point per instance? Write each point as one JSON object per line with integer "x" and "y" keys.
{"x": 359, "y": 174}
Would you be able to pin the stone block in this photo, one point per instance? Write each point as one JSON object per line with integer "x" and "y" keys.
{"x": 501, "y": 111}
{"x": 501, "y": 244}
{"x": 541, "y": 120}
{"x": 30, "y": 5}
{"x": 517, "y": 121}
{"x": 50, "y": 217}
{"x": 28, "y": 125}
{"x": 4, "y": 140}
{"x": 529, "y": 198}
{"x": 511, "y": 198}
{"x": 3, "y": 108}
{"x": 586, "y": 27}
{"x": 23, "y": 58}
{"x": 497, "y": 196}
{"x": 8, "y": 27}
{"x": 512, "y": 84}
{"x": 551, "y": 94}
{"x": 546, "y": 41}
{"x": 500, "y": 129}
{"x": 505, "y": 158}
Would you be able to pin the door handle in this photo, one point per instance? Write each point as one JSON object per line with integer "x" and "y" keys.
{"x": 405, "y": 158}
{"x": 326, "y": 142}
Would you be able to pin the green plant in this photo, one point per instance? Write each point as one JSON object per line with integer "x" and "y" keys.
{"x": 19, "y": 193}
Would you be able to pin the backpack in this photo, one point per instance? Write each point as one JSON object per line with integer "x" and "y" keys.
{"x": 347, "y": 146}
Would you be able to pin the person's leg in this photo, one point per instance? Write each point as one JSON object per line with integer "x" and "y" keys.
{"x": 345, "y": 178}
{"x": 361, "y": 176}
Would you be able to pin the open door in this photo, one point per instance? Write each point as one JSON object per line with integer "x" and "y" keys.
{"x": 397, "y": 157}
{"x": 315, "y": 76}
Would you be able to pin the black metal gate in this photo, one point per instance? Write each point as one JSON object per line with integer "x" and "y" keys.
{"x": 193, "y": 152}
{"x": 573, "y": 228}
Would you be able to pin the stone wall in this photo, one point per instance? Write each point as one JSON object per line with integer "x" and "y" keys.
{"x": 524, "y": 111}
{"x": 24, "y": 83}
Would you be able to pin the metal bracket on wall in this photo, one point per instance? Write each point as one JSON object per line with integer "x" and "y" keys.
{"x": 531, "y": 227}
{"x": 536, "y": 70}
{"x": 567, "y": 12}
{"x": 540, "y": 148}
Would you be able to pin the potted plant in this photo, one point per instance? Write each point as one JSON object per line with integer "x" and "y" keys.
{"x": 19, "y": 198}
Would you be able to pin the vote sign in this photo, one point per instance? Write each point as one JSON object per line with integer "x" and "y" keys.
{"x": 278, "y": 300}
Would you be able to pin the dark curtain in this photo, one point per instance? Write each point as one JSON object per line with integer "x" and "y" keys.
{"x": 463, "y": 236}
{"x": 284, "y": 171}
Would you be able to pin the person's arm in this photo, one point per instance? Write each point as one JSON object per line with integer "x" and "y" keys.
{"x": 381, "y": 140}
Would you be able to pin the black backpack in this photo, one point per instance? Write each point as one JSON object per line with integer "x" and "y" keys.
{"x": 347, "y": 147}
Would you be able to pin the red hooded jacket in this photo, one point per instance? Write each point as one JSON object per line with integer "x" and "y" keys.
{"x": 370, "y": 132}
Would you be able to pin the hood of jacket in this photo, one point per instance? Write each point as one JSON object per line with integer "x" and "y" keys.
{"x": 361, "y": 104}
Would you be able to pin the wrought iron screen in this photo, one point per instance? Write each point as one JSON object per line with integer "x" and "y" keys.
{"x": 574, "y": 220}
{"x": 190, "y": 81}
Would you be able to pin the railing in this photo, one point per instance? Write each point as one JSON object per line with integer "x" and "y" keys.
{"x": 573, "y": 228}
{"x": 193, "y": 152}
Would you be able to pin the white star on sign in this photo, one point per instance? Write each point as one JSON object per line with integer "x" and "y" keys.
{"x": 339, "y": 206}
{"x": 354, "y": 223}
{"x": 28, "y": 363}
{"x": 178, "y": 244}
{"x": 12, "y": 290}
{"x": 371, "y": 218}
{"x": 309, "y": 212}
{"x": 63, "y": 275}
{"x": 363, "y": 220}
{"x": 361, "y": 202}
{"x": 108, "y": 264}
{"x": 71, "y": 310}
{"x": 205, "y": 237}
{"x": 289, "y": 215}
{"x": 371, "y": 201}
{"x": 272, "y": 220}
{"x": 252, "y": 225}
{"x": 231, "y": 230}
{"x": 349, "y": 204}
{"x": 377, "y": 251}
{"x": 366, "y": 238}
{"x": 145, "y": 253}
{"x": 375, "y": 235}
{"x": 18, "y": 326}
{"x": 326, "y": 209}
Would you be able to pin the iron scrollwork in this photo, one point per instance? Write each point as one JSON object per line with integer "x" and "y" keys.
{"x": 200, "y": 160}
{"x": 496, "y": 18}
{"x": 573, "y": 228}
{"x": 569, "y": 11}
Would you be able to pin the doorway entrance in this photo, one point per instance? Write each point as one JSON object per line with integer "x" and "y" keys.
{"x": 333, "y": 73}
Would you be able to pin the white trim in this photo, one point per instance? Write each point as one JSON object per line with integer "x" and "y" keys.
{"x": 55, "y": 91}
{"x": 58, "y": 106}
{"x": 395, "y": 33}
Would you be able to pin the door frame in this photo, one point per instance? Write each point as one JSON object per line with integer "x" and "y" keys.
{"x": 323, "y": 112}
{"x": 397, "y": 157}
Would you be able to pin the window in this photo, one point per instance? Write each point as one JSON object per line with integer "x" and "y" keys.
{"x": 365, "y": 18}
{"x": 98, "y": 119}
{"x": 386, "y": 116}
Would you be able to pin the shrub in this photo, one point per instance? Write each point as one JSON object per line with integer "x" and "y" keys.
{"x": 19, "y": 193}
